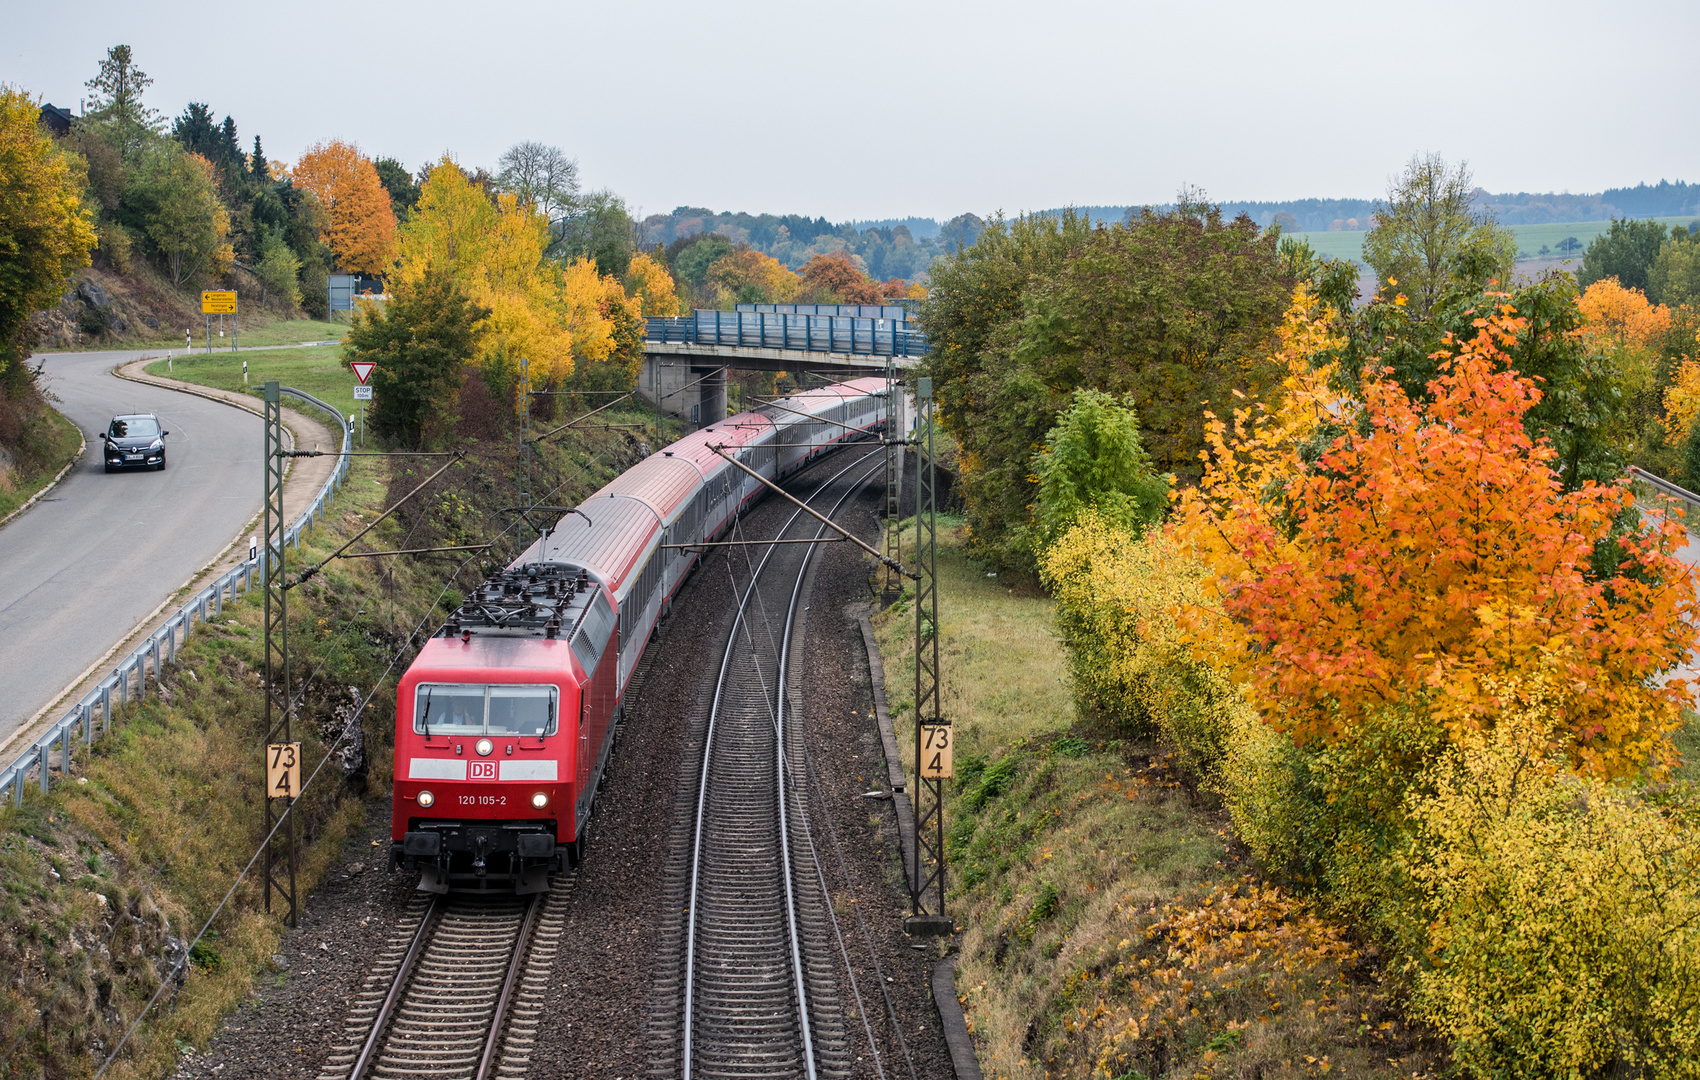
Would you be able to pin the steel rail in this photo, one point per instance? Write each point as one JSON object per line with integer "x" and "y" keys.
{"x": 494, "y": 1039}
{"x": 381, "y": 1021}
{"x": 703, "y": 790}
{"x": 779, "y": 772}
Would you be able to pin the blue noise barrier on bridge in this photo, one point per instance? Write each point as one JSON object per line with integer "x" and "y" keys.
{"x": 784, "y": 330}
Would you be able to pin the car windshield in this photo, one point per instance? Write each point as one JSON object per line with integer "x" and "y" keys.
{"x": 463, "y": 709}
{"x": 134, "y": 427}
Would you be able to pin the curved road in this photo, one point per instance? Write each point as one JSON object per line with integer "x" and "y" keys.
{"x": 99, "y": 553}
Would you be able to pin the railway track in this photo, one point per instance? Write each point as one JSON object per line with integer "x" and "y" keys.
{"x": 755, "y": 990}
{"x": 456, "y": 991}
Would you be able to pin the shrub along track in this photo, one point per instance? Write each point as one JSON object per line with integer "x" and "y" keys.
{"x": 617, "y": 911}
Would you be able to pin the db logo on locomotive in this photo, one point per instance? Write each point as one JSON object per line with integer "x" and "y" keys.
{"x": 481, "y": 770}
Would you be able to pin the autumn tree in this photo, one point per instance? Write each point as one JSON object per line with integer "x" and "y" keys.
{"x": 420, "y": 341}
{"x": 1427, "y": 236}
{"x": 539, "y": 309}
{"x": 359, "y": 219}
{"x": 744, "y": 275}
{"x": 835, "y": 277}
{"x": 1429, "y": 552}
{"x": 648, "y": 280}
{"x": 173, "y": 203}
{"x": 45, "y": 234}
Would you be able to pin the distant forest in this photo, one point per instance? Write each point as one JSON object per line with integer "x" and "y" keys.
{"x": 906, "y": 247}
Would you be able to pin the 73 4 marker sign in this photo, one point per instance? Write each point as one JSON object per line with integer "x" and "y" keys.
{"x": 283, "y": 770}
{"x": 937, "y": 752}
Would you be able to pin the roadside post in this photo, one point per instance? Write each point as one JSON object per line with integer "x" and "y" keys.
{"x": 362, "y": 392}
{"x": 220, "y": 303}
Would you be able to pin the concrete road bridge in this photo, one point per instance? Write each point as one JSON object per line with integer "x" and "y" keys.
{"x": 686, "y": 358}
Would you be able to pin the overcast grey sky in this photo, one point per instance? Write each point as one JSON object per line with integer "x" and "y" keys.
{"x": 882, "y": 108}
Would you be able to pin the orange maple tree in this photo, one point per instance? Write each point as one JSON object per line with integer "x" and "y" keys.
{"x": 1436, "y": 554}
{"x": 837, "y": 273}
{"x": 360, "y": 223}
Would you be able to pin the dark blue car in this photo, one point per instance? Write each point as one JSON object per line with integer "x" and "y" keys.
{"x": 134, "y": 442}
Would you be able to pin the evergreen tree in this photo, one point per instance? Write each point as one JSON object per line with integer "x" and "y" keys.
{"x": 258, "y": 169}
{"x": 116, "y": 110}
{"x": 195, "y": 130}
{"x": 230, "y": 149}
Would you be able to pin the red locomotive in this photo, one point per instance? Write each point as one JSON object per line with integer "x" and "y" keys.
{"x": 505, "y": 720}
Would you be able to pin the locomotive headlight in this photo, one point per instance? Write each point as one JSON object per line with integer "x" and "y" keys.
{"x": 540, "y": 800}
{"x": 425, "y": 798}
{"x": 484, "y": 746}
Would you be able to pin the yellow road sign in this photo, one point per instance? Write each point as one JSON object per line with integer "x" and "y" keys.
{"x": 283, "y": 770}
{"x": 937, "y": 753}
{"x": 218, "y": 303}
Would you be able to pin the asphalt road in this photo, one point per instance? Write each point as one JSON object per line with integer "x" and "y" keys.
{"x": 99, "y": 553}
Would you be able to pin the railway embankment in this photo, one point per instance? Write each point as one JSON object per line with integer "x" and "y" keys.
{"x": 1098, "y": 889}
{"x": 107, "y": 881}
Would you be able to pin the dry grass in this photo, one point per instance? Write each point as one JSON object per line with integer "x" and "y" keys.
{"x": 1095, "y": 891}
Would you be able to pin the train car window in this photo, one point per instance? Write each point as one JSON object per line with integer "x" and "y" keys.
{"x": 448, "y": 709}
{"x": 522, "y": 710}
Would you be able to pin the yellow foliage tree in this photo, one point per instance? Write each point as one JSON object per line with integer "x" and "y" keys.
{"x": 648, "y": 281}
{"x": 1562, "y": 913}
{"x": 360, "y": 221}
{"x": 1682, "y": 400}
{"x": 746, "y": 272}
{"x": 538, "y": 310}
{"x": 1615, "y": 316}
{"x": 45, "y": 233}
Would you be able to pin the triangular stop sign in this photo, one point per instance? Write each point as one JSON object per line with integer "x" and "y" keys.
{"x": 362, "y": 369}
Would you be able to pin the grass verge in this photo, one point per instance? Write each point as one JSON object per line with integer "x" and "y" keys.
{"x": 1113, "y": 927}
{"x": 62, "y": 441}
{"x": 317, "y": 369}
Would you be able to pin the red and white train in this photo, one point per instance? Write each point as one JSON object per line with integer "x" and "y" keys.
{"x": 505, "y": 720}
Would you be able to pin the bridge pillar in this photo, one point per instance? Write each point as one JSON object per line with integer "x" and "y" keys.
{"x": 684, "y": 389}
{"x": 713, "y": 394}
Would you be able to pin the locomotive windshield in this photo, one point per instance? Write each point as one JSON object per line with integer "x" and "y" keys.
{"x": 462, "y": 709}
